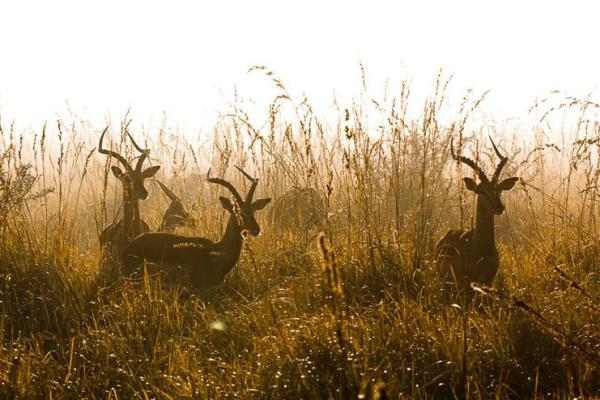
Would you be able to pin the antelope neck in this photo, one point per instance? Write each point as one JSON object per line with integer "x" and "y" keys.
{"x": 483, "y": 237}
{"x": 230, "y": 246}
{"x": 132, "y": 222}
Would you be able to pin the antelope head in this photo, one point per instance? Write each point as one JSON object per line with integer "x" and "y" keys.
{"x": 132, "y": 178}
{"x": 488, "y": 191}
{"x": 242, "y": 209}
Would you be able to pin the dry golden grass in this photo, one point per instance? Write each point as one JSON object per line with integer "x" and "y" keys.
{"x": 356, "y": 314}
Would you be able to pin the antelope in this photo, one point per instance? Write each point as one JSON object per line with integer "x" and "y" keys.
{"x": 297, "y": 208}
{"x": 118, "y": 234}
{"x": 175, "y": 215}
{"x": 204, "y": 262}
{"x": 466, "y": 257}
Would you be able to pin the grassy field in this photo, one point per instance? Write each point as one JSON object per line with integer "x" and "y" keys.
{"x": 356, "y": 313}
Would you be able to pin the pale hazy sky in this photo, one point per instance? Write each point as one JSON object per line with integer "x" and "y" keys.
{"x": 184, "y": 57}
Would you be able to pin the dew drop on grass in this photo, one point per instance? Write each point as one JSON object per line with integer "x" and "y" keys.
{"x": 218, "y": 326}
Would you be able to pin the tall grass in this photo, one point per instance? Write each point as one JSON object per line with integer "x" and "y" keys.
{"x": 358, "y": 315}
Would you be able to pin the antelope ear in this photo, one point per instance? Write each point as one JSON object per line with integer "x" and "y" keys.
{"x": 470, "y": 184}
{"x": 260, "y": 204}
{"x": 117, "y": 172}
{"x": 226, "y": 203}
{"x": 150, "y": 172}
{"x": 508, "y": 183}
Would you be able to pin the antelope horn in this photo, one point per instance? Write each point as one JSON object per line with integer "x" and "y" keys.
{"x": 145, "y": 152}
{"x": 254, "y": 181}
{"x": 501, "y": 164}
{"x": 111, "y": 153}
{"x": 137, "y": 147}
{"x": 226, "y": 184}
{"x": 172, "y": 196}
{"x": 143, "y": 156}
{"x": 140, "y": 161}
{"x": 469, "y": 162}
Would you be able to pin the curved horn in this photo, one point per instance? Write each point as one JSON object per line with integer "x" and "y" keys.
{"x": 143, "y": 156}
{"x": 254, "y": 181}
{"x": 140, "y": 161}
{"x": 251, "y": 179}
{"x": 172, "y": 196}
{"x": 226, "y": 184}
{"x": 501, "y": 164}
{"x": 469, "y": 162}
{"x": 111, "y": 153}
{"x": 137, "y": 147}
